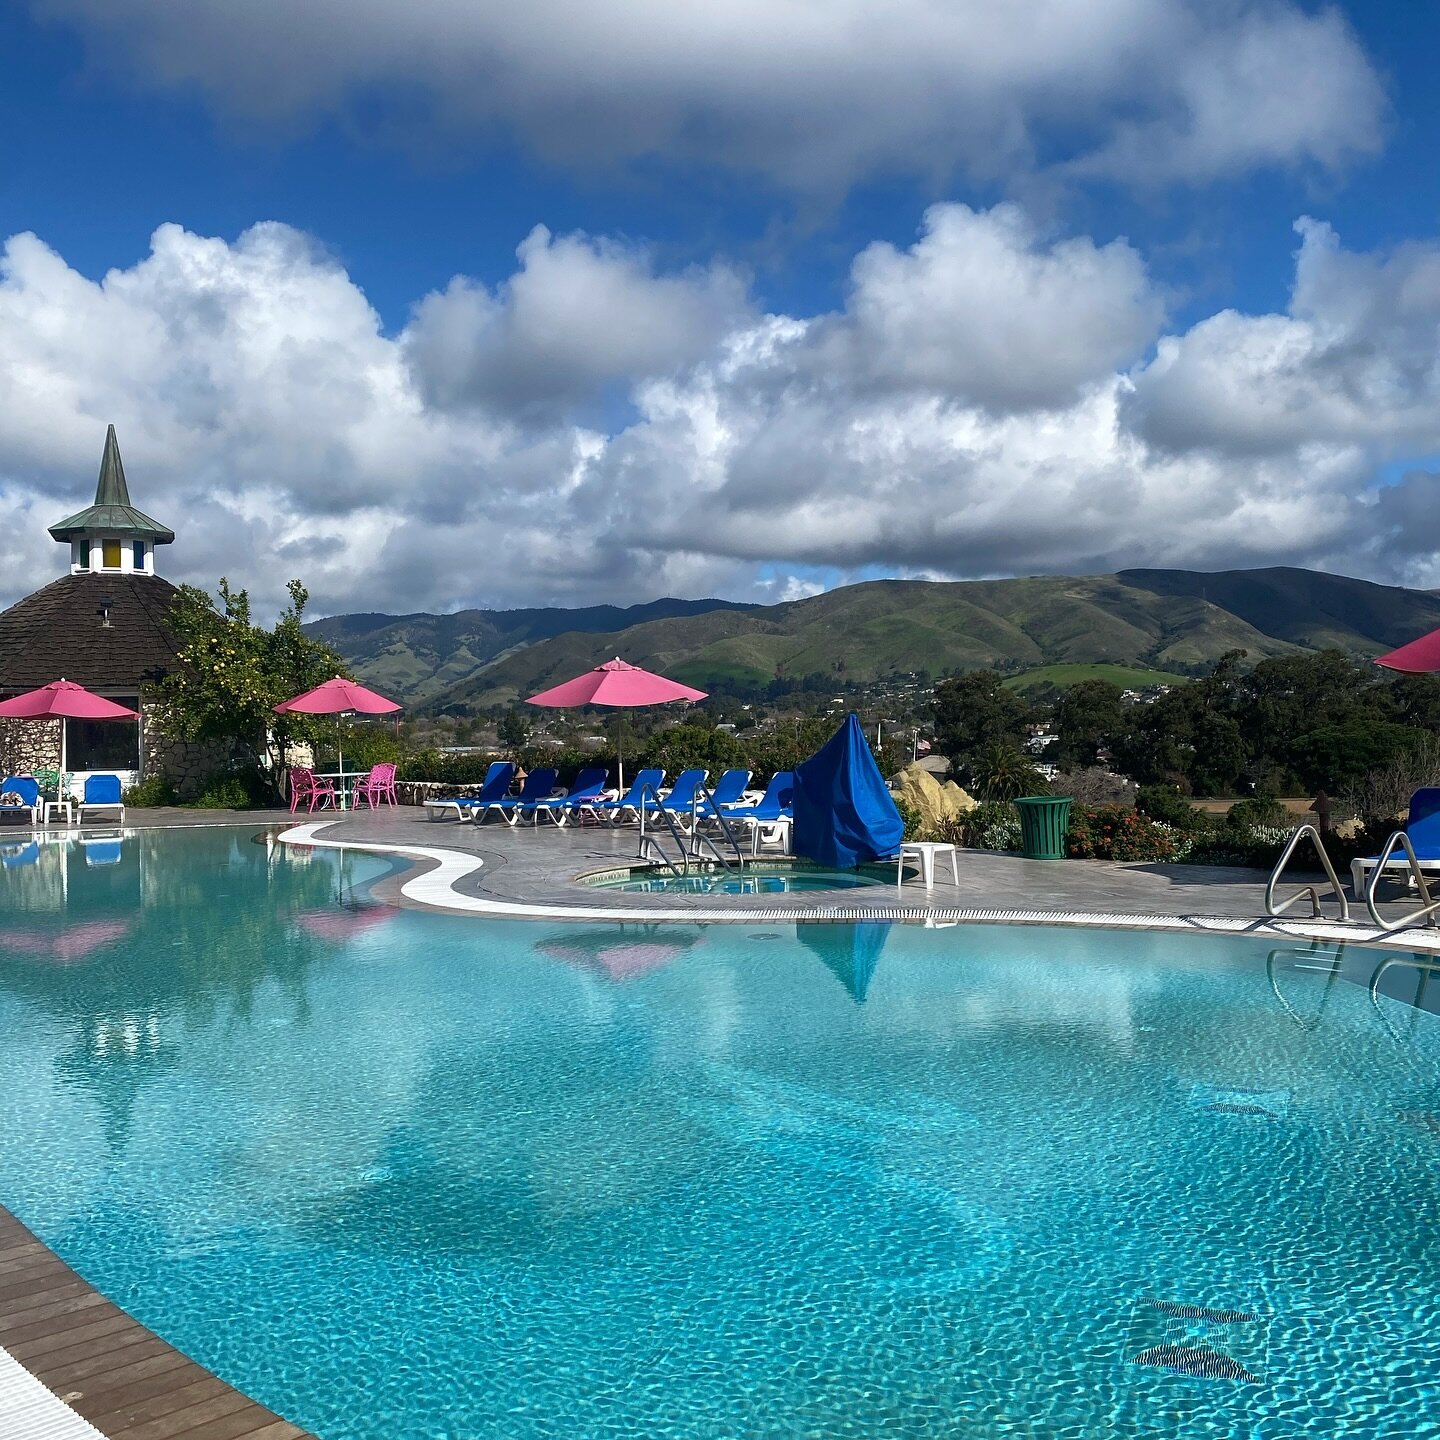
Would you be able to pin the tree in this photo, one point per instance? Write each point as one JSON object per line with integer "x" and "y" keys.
{"x": 1336, "y": 758}
{"x": 232, "y": 673}
{"x": 683, "y": 747}
{"x": 513, "y": 729}
{"x": 1003, "y": 772}
{"x": 974, "y": 712}
{"x": 1088, "y": 719}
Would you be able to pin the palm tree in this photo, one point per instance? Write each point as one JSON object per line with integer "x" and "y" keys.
{"x": 1002, "y": 772}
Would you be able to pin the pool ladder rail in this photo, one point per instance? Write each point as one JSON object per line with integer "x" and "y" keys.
{"x": 1274, "y": 907}
{"x": 1398, "y": 841}
{"x": 688, "y": 847}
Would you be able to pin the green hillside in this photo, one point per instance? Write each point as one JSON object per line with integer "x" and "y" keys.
{"x": 1160, "y": 622}
{"x": 418, "y": 656}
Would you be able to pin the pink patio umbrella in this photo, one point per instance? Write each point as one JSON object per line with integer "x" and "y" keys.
{"x": 618, "y": 685}
{"x": 1419, "y": 657}
{"x": 63, "y": 699}
{"x": 338, "y": 697}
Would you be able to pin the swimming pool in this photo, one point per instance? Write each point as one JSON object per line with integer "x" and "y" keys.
{"x": 759, "y": 879}
{"x": 400, "y": 1174}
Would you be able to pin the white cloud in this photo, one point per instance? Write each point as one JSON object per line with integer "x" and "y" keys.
{"x": 979, "y": 309}
{"x": 578, "y": 315}
{"x": 1260, "y": 86}
{"x": 813, "y": 93}
{"x": 1354, "y": 361}
{"x": 937, "y": 425}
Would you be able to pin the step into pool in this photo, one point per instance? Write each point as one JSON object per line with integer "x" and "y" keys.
{"x": 763, "y": 879}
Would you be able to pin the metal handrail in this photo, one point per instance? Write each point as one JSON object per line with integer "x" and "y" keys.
{"x": 1272, "y": 909}
{"x": 646, "y": 841}
{"x": 718, "y": 814}
{"x": 1426, "y": 911}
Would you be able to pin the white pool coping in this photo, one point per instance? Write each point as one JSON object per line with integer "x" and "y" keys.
{"x": 28, "y": 1411}
{"x": 435, "y": 889}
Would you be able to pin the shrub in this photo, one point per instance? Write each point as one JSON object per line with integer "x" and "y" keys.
{"x": 1165, "y": 802}
{"x": 914, "y": 821}
{"x": 1258, "y": 811}
{"x": 363, "y": 745}
{"x": 1112, "y": 832}
{"x": 1093, "y": 785}
{"x": 153, "y": 790}
{"x": 451, "y": 769}
{"x": 1255, "y": 846}
{"x": 994, "y": 825}
{"x": 1380, "y": 797}
{"x": 226, "y": 792}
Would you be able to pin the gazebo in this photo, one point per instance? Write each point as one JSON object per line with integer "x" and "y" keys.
{"x": 104, "y": 625}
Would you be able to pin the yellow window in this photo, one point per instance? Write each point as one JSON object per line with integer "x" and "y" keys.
{"x": 110, "y": 554}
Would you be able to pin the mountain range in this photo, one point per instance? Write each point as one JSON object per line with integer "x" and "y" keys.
{"x": 1160, "y": 621}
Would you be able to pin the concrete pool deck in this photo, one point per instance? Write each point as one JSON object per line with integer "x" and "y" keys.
{"x": 524, "y": 871}
{"x": 506, "y": 872}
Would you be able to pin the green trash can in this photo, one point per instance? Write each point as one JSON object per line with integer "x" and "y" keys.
{"x": 1044, "y": 820}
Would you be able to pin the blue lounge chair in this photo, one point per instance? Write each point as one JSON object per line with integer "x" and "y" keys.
{"x": 539, "y": 785}
{"x": 28, "y": 789}
{"x": 14, "y": 856}
{"x": 615, "y": 810}
{"x": 101, "y": 792}
{"x": 589, "y": 786}
{"x": 496, "y": 786}
{"x": 680, "y": 803}
{"x": 775, "y": 804}
{"x": 767, "y": 822}
{"x": 729, "y": 790}
{"x": 1422, "y": 826}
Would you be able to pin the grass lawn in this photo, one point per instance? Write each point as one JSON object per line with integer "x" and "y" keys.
{"x": 1127, "y": 677}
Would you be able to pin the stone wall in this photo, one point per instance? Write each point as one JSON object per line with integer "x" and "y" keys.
{"x": 29, "y": 745}
{"x": 186, "y": 764}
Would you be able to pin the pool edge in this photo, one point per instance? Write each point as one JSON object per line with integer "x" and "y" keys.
{"x": 433, "y": 889}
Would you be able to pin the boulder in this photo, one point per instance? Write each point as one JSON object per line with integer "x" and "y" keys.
{"x": 935, "y": 803}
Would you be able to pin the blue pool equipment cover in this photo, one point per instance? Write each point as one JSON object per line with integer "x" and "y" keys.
{"x": 844, "y": 815}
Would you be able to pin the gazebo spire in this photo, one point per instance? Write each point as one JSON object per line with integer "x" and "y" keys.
{"x": 112, "y": 516}
{"x": 111, "y": 489}
{"x": 112, "y": 535}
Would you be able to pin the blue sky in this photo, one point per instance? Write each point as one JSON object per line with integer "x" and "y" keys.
{"x": 750, "y": 352}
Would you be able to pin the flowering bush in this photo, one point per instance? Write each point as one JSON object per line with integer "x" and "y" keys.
{"x": 1114, "y": 832}
{"x": 994, "y": 825}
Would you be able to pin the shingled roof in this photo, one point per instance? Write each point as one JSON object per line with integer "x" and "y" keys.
{"x": 112, "y": 511}
{"x": 59, "y": 632}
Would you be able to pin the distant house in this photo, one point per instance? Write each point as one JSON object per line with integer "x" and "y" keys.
{"x": 103, "y": 625}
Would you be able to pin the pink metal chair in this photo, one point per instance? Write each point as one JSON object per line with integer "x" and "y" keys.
{"x": 378, "y": 785}
{"x": 306, "y": 785}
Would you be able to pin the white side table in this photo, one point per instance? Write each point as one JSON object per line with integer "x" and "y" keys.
{"x": 52, "y": 807}
{"x": 925, "y": 852}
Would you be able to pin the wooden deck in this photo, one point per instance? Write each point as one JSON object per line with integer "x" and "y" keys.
{"x": 125, "y": 1380}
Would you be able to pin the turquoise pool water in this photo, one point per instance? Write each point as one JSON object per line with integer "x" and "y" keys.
{"x": 405, "y": 1175}
{"x": 762, "y": 879}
